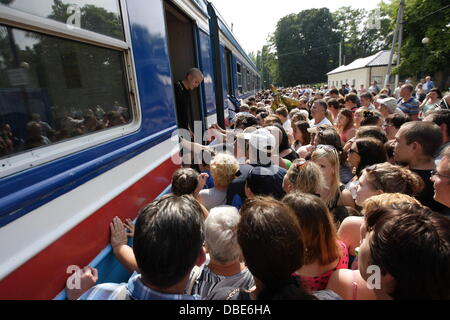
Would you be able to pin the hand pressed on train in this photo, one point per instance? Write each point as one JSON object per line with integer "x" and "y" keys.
{"x": 118, "y": 233}
{"x": 119, "y": 242}
{"x": 129, "y": 226}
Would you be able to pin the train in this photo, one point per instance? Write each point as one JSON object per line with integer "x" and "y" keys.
{"x": 88, "y": 114}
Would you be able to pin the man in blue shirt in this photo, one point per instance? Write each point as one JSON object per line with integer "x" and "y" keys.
{"x": 168, "y": 242}
{"x": 407, "y": 103}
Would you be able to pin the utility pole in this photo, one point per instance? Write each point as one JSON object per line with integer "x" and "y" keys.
{"x": 398, "y": 31}
{"x": 340, "y": 53}
{"x": 400, "y": 39}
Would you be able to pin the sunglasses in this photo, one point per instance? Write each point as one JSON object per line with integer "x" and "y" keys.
{"x": 436, "y": 173}
{"x": 326, "y": 147}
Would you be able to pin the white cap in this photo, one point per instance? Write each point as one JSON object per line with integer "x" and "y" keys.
{"x": 262, "y": 139}
{"x": 390, "y": 103}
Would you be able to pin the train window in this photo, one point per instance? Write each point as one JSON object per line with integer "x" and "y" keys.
{"x": 248, "y": 81}
{"x": 239, "y": 77}
{"x": 53, "y": 89}
{"x": 101, "y": 17}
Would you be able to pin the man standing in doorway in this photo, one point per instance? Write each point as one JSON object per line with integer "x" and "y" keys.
{"x": 183, "y": 101}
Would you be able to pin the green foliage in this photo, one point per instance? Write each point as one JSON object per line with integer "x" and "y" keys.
{"x": 424, "y": 18}
{"x": 267, "y": 63}
{"x": 305, "y": 46}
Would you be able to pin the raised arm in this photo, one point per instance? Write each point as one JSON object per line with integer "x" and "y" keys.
{"x": 119, "y": 242}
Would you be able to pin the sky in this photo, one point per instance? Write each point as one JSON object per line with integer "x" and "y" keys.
{"x": 254, "y": 20}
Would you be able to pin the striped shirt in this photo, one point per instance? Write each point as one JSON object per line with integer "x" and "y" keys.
{"x": 135, "y": 289}
{"x": 208, "y": 280}
{"x": 410, "y": 107}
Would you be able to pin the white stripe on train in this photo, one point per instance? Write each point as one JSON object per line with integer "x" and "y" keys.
{"x": 25, "y": 237}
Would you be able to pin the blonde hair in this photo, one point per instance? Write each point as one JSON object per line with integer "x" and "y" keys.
{"x": 387, "y": 199}
{"x": 332, "y": 156}
{"x": 223, "y": 169}
{"x": 306, "y": 176}
{"x": 391, "y": 178}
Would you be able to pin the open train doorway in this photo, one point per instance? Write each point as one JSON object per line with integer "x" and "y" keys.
{"x": 229, "y": 72}
{"x": 182, "y": 54}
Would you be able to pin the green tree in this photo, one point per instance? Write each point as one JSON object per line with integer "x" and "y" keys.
{"x": 304, "y": 44}
{"x": 268, "y": 66}
{"x": 423, "y": 18}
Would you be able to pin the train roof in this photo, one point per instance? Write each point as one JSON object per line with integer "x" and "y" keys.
{"x": 202, "y": 5}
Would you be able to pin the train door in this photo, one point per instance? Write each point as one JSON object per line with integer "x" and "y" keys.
{"x": 182, "y": 53}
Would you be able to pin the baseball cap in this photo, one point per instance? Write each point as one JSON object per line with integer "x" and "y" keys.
{"x": 390, "y": 103}
{"x": 262, "y": 139}
{"x": 263, "y": 181}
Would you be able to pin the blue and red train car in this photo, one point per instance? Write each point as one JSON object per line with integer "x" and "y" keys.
{"x": 87, "y": 112}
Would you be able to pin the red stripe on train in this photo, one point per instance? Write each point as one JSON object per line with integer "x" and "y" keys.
{"x": 44, "y": 275}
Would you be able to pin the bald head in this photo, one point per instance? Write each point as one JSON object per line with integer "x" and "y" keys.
{"x": 193, "y": 78}
{"x": 194, "y": 72}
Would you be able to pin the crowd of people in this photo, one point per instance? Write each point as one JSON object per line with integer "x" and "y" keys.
{"x": 345, "y": 196}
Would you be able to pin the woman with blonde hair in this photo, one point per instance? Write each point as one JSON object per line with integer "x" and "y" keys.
{"x": 334, "y": 193}
{"x": 387, "y": 178}
{"x": 347, "y": 283}
{"x": 378, "y": 179}
{"x": 304, "y": 176}
{"x": 223, "y": 169}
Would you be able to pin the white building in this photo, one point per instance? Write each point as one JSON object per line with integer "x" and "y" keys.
{"x": 361, "y": 71}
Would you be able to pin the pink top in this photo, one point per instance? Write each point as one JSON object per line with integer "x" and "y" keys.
{"x": 320, "y": 282}
{"x": 344, "y": 136}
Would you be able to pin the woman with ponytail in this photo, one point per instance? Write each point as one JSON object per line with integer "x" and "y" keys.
{"x": 376, "y": 180}
{"x": 387, "y": 178}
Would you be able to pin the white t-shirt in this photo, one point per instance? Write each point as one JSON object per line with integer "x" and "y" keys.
{"x": 324, "y": 121}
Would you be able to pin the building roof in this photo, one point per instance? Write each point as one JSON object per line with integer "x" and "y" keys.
{"x": 378, "y": 59}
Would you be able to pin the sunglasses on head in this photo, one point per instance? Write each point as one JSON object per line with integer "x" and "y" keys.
{"x": 301, "y": 163}
{"x": 326, "y": 147}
